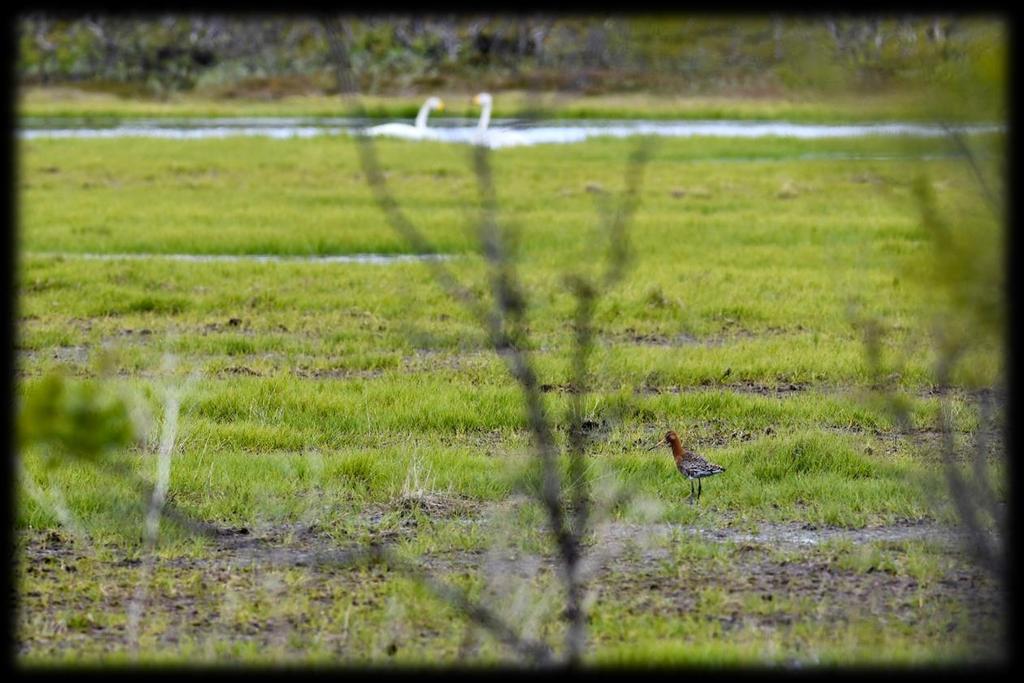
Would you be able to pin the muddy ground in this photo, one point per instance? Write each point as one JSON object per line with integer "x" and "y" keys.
{"x": 80, "y": 594}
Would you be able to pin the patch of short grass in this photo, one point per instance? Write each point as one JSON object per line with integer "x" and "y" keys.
{"x": 66, "y": 101}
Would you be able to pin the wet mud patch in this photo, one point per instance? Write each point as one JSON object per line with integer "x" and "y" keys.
{"x": 440, "y": 506}
{"x": 784, "y": 535}
{"x": 262, "y": 586}
{"x": 265, "y": 583}
{"x": 454, "y": 360}
{"x": 404, "y": 516}
{"x": 76, "y": 355}
{"x": 631, "y": 336}
{"x": 434, "y": 505}
{"x": 731, "y": 332}
{"x": 240, "y": 370}
{"x": 336, "y": 373}
{"x": 563, "y": 388}
{"x": 236, "y": 325}
{"x": 759, "y": 592}
{"x": 929, "y": 445}
{"x": 782, "y": 576}
{"x": 782, "y": 388}
{"x": 490, "y": 442}
{"x": 131, "y": 332}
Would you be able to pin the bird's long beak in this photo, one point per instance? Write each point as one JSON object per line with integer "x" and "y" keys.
{"x": 476, "y": 99}
{"x": 440, "y": 106}
{"x": 657, "y": 445}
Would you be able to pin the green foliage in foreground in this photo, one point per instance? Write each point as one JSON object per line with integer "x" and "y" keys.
{"x": 79, "y": 419}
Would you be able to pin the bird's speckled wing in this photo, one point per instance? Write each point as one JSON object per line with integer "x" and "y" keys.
{"x": 696, "y": 467}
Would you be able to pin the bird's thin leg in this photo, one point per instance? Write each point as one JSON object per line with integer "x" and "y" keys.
{"x": 691, "y": 492}
{"x": 699, "y": 481}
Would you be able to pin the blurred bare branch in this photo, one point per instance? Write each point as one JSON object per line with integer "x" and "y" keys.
{"x": 587, "y": 293}
{"x": 152, "y": 525}
{"x": 51, "y": 501}
{"x": 972, "y": 498}
{"x": 506, "y": 328}
{"x": 972, "y": 314}
{"x": 534, "y": 651}
{"x": 994, "y": 199}
{"x": 506, "y": 325}
{"x": 339, "y": 39}
{"x": 986, "y": 428}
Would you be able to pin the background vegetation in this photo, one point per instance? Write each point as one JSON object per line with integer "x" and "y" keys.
{"x": 273, "y": 56}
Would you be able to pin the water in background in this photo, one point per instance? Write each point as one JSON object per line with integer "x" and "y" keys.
{"x": 503, "y": 133}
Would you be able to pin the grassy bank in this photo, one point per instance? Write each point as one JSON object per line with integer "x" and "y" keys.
{"x": 69, "y": 102}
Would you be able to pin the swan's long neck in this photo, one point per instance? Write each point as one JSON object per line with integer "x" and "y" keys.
{"x": 421, "y": 117}
{"x": 485, "y": 116}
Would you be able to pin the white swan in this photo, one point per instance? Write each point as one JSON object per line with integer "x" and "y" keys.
{"x": 485, "y": 101}
{"x": 494, "y": 137}
{"x": 416, "y": 132}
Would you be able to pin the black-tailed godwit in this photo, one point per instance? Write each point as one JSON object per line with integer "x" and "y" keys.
{"x": 689, "y": 464}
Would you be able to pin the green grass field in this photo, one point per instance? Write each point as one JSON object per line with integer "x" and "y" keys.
{"x": 338, "y": 402}
{"x": 930, "y": 105}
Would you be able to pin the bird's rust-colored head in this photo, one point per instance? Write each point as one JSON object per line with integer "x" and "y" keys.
{"x": 671, "y": 439}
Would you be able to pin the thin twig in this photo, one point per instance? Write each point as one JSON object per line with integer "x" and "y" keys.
{"x": 169, "y": 511}
{"x": 507, "y": 333}
{"x": 492, "y": 322}
{"x": 966, "y": 506}
{"x": 405, "y": 228}
{"x": 534, "y": 650}
{"x": 505, "y": 324}
{"x": 985, "y": 490}
{"x": 156, "y": 505}
{"x": 994, "y": 202}
{"x": 52, "y": 502}
{"x": 587, "y": 294}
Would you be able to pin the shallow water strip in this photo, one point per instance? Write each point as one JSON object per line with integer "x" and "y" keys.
{"x": 502, "y": 133}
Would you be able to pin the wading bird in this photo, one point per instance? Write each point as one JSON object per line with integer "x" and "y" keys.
{"x": 416, "y": 132}
{"x": 689, "y": 464}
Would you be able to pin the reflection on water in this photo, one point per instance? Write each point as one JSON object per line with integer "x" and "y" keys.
{"x": 503, "y": 133}
{"x": 248, "y": 258}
